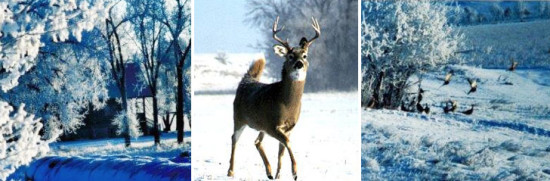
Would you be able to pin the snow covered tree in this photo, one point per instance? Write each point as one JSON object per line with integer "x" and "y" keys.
{"x": 114, "y": 33}
{"x": 19, "y": 139}
{"x": 67, "y": 81}
{"x": 23, "y": 27}
{"x": 164, "y": 45}
{"x": 400, "y": 39}
{"x": 126, "y": 121}
{"x": 23, "y": 24}
{"x": 176, "y": 16}
{"x": 333, "y": 56}
{"x": 152, "y": 50}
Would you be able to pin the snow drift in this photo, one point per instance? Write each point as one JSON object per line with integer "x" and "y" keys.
{"x": 121, "y": 167}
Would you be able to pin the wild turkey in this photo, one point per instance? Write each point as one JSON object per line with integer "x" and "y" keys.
{"x": 473, "y": 85}
{"x": 448, "y": 77}
{"x": 450, "y": 106}
{"x": 513, "y": 66}
{"x": 419, "y": 108}
{"x": 420, "y": 92}
{"x": 469, "y": 111}
{"x": 426, "y": 109}
{"x": 454, "y": 105}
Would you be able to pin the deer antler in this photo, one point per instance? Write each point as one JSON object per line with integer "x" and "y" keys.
{"x": 317, "y": 29}
{"x": 275, "y": 31}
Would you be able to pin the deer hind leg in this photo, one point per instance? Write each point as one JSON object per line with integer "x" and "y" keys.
{"x": 281, "y": 153}
{"x": 283, "y": 138}
{"x": 258, "y": 144}
{"x": 238, "y": 130}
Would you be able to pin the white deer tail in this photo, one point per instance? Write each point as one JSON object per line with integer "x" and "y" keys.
{"x": 256, "y": 69}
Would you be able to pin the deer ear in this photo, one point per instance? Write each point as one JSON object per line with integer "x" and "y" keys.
{"x": 280, "y": 50}
{"x": 303, "y": 42}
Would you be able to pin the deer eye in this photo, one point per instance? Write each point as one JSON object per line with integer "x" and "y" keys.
{"x": 304, "y": 56}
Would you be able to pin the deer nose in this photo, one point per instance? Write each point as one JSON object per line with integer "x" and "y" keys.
{"x": 298, "y": 65}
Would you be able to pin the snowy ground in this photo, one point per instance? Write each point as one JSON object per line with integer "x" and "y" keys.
{"x": 495, "y": 45}
{"x": 325, "y": 141}
{"x": 97, "y": 159}
{"x": 506, "y": 138}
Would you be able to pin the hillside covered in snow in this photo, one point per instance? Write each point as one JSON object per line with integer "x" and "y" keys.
{"x": 497, "y": 45}
{"x": 507, "y": 137}
{"x": 221, "y": 72}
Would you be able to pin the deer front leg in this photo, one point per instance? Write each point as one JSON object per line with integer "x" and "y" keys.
{"x": 238, "y": 130}
{"x": 283, "y": 138}
{"x": 258, "y": 144}
{"x": 281, "y": 153}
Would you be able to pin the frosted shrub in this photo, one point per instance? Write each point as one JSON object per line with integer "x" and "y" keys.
{"x": 127, "y": 121}
{"x": 19, "y": 139}
{"x": 400, "y": 39}
{"x": 23, "y": 27}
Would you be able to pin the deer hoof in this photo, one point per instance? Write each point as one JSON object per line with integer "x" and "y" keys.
{"x": 230, "y": 173}
{"x": 270, "y": 177}
{"x": 295, "y": 177}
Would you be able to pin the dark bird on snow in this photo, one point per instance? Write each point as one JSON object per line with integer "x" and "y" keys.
{"x": 420, "y": 92}
{"x": 469, "y": 111}
{"x": 419, "y": 108}
{"x": 448, "y": 77}
{"x": 426, "y": 109}
{"x": 473, "y": 85}
{"x": 450, "y": 106}
{"x": 513, "y": 66}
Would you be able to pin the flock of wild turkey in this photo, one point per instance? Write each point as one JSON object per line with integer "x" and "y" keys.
{"x": 450, "y": 105}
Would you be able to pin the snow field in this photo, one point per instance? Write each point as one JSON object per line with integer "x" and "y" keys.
{"x": 495, "y": 45}
{"x": 396, "y": 145}
{"x": 506, "y": 138}
{"x": 325, "y": 141}
{"x": 527, "y": 101}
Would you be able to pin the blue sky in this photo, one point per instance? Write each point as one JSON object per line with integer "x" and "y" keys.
{"x": 219, "y": 26}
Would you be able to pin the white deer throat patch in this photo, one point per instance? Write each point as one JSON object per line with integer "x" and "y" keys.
{"x": 298, "y": 74}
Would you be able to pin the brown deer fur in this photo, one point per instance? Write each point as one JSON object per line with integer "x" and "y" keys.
{"x": 272, "y": 108}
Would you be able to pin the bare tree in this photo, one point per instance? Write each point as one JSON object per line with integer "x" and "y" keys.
{"x": 177, "y": 20}
{"x": 117, "y": 63}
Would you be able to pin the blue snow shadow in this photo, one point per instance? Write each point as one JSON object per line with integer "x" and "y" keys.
{"x": 119, "y": 167}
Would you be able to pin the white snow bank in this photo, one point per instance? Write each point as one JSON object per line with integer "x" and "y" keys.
{"x": 213, "y": 75}
{"x": 118, "y": 168}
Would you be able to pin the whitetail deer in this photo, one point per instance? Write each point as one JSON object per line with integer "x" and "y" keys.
{"x": 272, "y": 108}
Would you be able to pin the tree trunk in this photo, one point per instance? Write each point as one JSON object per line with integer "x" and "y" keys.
{"x": 179, "y": 105}
{"x": 181, "y": 94}
{"x": 156, "y": 131}
{"x": 166, "y": 120}
{"x": 127, "y": 141}
{"x": 376, "y": 91}
{"x": 145, "y": 127}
